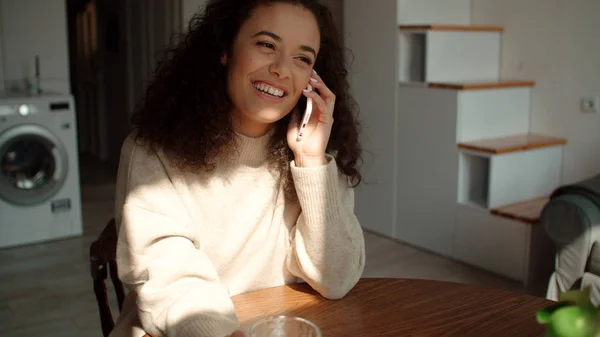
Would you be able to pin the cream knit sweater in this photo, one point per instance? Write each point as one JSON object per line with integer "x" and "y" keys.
{"x": 187, "y": 242}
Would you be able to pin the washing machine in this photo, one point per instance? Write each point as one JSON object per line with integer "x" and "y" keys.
{"x": 40, "y": 197}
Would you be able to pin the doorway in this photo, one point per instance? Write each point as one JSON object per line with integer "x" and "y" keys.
{"x": 114, "y": 46}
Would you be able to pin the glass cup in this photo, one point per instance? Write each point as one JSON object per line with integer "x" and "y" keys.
{"x": 284, "y": 326}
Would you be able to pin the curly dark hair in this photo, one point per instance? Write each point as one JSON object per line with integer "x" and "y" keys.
{"x": 186, "y": 109}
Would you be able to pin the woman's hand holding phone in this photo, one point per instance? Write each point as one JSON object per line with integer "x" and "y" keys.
{"x": 309, "y": 143}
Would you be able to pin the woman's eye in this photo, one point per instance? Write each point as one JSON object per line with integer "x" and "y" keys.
{"x": 267, "y": 45}
{"x": 306, "y": 60}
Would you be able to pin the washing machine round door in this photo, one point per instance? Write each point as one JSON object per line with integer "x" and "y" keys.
{"x": 33, "y": 165}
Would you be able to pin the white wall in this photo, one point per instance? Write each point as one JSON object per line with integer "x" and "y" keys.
{"x": 36, "y": 27}
{"x": 373, "y": 77}
{"x": 1, "y": 51}
{"x": 557, "y": 44}
{"x": 414, "y": 12}
{"x": 189, "y": 8}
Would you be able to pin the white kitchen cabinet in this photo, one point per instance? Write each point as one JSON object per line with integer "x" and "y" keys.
{"x": 453, "y": 166}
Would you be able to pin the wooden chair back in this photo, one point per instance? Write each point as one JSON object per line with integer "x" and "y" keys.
{"x": 102, "y": 264}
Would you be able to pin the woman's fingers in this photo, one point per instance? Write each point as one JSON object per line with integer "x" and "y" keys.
{"x": 325, "y": 93}
{"x": 325, "y": 115}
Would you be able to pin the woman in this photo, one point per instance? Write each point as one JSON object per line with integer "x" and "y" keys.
{"x": 216, "y": 196}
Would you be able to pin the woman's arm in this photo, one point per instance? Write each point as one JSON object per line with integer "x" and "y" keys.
{"x": 327, "y": 248}
{"x": 158, "y": 254}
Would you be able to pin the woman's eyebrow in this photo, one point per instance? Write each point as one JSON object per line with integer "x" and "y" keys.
{"x": 278, "y": 39}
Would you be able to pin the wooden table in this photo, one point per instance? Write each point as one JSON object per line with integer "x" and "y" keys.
{"x": 401, "y": 307}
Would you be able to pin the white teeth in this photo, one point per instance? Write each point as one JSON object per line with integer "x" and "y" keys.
{"x": 269, "y": 89}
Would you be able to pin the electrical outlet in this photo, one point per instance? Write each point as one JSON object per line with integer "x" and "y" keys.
{"x": 590, "y": 104}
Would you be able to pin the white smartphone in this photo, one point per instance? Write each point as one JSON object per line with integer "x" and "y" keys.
{"x": 305, "y": 117}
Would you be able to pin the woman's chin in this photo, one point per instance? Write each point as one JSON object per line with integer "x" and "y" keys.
{"x": 268, "y": 118}
{"x": 259, "y": 117}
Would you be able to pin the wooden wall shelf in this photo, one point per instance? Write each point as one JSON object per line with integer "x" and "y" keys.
{"x": 512, "y": 143}
{"x": 528, "y": 211}
{"x": 463, "y": 28}
{"x": 482, "y": 85}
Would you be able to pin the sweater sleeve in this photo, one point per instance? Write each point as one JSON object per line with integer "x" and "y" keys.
{"x": 327, "y": 246}
{"x": 158, "y": 254}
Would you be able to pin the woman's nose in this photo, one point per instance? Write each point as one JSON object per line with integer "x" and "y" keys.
{"x": 280, "y": 67}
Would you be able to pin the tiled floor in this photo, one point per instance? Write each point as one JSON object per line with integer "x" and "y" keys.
{"x": 46, "y": 290}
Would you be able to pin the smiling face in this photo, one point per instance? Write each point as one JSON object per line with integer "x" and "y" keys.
{"x": 269, "y": 65}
